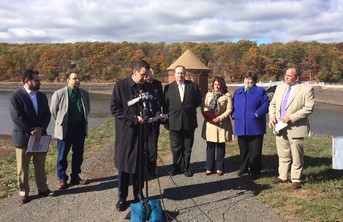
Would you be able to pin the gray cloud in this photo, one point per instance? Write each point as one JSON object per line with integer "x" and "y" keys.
{"x": 61, "y": 21}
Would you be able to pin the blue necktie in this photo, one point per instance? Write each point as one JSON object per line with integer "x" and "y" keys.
{"x": 284, "y": 103}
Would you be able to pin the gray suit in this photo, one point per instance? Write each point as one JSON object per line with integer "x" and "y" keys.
{"x": 289, "y": 141}
{"x": 59, "y": 110}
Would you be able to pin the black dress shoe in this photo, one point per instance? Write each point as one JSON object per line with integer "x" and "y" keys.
{"x": 121, "y": 205}
{"x": 188, "y": 173}
{"x": 241, "y": 172}
{"x": 139, "y": 198}
{"x": 24, "y": 199}
{"x": 174, "y": 172}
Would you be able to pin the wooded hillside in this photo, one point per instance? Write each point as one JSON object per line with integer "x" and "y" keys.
{"x": 108, "y": 62}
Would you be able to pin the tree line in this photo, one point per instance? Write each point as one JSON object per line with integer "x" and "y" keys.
{"x": 108, "y": 61}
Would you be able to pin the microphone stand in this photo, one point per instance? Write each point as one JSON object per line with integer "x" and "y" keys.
{"x": 143, "y": 145}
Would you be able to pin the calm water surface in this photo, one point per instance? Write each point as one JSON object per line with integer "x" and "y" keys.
{"x": 326, "y": 119}
{"x": 100, "y": 111}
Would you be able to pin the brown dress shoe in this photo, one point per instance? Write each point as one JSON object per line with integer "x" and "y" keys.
{"x": 277, "y": 180}
{"x": 296, "y": 185}
{"x": 62, "y": 185}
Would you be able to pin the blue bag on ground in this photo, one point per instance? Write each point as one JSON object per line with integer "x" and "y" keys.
{"x": 139, "y": 212}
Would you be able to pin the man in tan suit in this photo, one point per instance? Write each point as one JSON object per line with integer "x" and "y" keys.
{"x": 292, "y": 103}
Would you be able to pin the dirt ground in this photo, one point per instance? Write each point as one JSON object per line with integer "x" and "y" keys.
{"x": 198, "y": 198}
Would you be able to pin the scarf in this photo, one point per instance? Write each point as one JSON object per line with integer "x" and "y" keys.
{"x": 213, "y": 103}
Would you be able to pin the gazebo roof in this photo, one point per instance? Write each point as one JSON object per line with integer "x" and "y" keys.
{"x": 189, "y": 61}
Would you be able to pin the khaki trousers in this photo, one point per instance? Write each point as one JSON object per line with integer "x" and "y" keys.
{"x": 291, "y": 155}
{"x": 23, "y": 165}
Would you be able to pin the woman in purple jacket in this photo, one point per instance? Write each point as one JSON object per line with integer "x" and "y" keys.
{"x": 250, "y": 106}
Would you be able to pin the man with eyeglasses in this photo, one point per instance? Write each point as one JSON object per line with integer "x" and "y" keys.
{"x": 130, "y": 132}
{"x": 291, "y": 105}
{"x": 29, "y": 111}
{"x": 70, "y": 108}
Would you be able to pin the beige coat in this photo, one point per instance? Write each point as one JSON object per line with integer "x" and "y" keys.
{"x": 222, "y": 132}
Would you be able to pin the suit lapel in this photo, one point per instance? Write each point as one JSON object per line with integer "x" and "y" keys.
{"x": 28, "y": 101}
{"x": 295, "y": 92}
{"x": 175, "y": 88}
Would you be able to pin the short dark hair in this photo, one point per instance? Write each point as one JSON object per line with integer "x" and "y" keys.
{"x": 184, "y": 68}
{"x": 141, "y": 64}
{"x": 28, "y": 74}
{"x": 221, "y": 81}
{"x": 252, "y": 75}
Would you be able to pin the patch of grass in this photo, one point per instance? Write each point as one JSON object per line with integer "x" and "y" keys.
{"x": 320, "y": 199}
{"x": 97, "y": 138}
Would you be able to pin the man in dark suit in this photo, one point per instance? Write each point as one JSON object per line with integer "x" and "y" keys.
{"x": 154, "y": 132}
{"x": 292, "y": 103}
{"x": 182, "y": 97}
{"x": 130, "y": 133}
{"x": 30, "y": 114}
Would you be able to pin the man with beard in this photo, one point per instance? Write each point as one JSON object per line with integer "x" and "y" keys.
{"x": 70, "y": 108}
{"x": 29, "y": 110}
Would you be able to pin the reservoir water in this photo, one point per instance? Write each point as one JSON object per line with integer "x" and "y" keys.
{"x": 326, "y": 119}
{"x": 100, "y": 111}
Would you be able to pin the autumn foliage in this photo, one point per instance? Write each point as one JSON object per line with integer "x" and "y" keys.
{"x": 108, "y": 61}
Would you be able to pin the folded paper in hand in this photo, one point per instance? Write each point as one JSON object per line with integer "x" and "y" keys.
{"x": 279, "y": 126}
{"x": 158, "y": 117}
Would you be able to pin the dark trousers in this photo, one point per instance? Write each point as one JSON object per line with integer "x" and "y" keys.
{"x": 152, "y": 145}
{"x": 251, "y": 153}
{"x": 181, "y": 142}
{"x": 75, "y": 139}
{"x": 215, "y": 154}
{"x": 124, "y": 182}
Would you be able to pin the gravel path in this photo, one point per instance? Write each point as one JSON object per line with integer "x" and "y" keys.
{"x": 199, "y": 198}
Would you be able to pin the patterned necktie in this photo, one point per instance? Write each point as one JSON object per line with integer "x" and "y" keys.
{"x": 284, "y": 103}
{"x": 181, "y": 92}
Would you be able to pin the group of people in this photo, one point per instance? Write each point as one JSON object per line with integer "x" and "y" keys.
{"x": 30, "y": 113}
{"x": 290, "y": 107}
{"x": 136, "y": 138}
{"x": 139, "y": 106}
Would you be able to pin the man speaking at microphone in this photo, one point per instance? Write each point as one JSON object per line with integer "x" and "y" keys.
{"x": 130, "y": 131}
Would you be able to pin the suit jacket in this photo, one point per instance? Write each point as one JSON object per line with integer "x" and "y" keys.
{"x": 158, "y": 93}
{"x": 182, "y": 114}
{"x": 300, "y": 106}
{"x": 24, "y": 116}
{"x": 59, "y": 110}
{"x": 128, "y": 139}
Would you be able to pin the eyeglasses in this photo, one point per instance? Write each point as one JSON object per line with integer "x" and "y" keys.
{"x": 75, "y": 78}
{"x": 146, "y": 75}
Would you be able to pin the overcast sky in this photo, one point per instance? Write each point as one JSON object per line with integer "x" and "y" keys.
{"x": 170, "y": 21}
